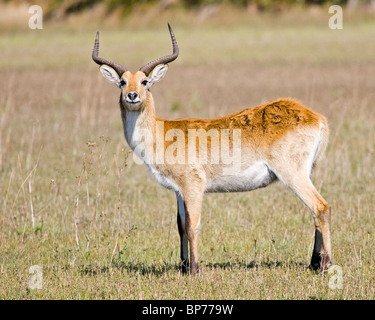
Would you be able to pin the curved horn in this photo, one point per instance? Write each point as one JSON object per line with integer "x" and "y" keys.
{"x": 119, "y": 68}
{"x": 164, "y": 60}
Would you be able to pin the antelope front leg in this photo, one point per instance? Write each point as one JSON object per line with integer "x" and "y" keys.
{"x": 193, "y": 206}
{"x": 181, "y": 218}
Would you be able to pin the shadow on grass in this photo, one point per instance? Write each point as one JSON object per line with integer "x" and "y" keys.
{"x": 268, "y": 264}
{"x": 142, "y": 269}
{"x": 158, "y": 269}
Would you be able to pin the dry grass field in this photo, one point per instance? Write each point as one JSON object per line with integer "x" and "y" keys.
{"x": 74, "y": 202}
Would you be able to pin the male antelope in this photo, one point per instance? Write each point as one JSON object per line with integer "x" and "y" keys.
{"x": 280, "y": 140}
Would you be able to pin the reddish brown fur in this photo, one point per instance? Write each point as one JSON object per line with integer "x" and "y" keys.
{"x": 282, "y": 136}
{"x": 260, "y": 126}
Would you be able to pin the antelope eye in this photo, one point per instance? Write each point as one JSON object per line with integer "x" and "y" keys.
{"x": 122, "y": 82}
{"x": 144, "y": 82}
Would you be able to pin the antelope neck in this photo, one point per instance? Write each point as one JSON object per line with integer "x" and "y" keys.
{"x": 139, "y": 126}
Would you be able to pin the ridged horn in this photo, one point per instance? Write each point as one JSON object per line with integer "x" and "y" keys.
{"x": 163, "y": 60}
{"x": 100, "y": 61}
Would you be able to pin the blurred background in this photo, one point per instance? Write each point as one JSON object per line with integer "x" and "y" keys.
{"x": 72, "y": 199}
{"x": 59, "y": 9}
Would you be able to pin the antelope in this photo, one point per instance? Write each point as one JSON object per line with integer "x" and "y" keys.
{"x": 280, "y": 140}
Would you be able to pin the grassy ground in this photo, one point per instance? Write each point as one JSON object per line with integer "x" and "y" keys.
{"x": 74, "y": 202}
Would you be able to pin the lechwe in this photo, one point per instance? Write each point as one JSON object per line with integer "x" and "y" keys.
{"x": 243, "y": 151}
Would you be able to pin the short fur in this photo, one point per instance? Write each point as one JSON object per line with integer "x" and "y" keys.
{"x": 280, "y": 140}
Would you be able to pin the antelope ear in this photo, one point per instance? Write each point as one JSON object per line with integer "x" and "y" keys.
{"x": 110, "y": 74}
{"x": 157, "y": 74}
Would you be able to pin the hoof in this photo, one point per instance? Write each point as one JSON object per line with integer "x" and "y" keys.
{"x": 325, "y": 262}
{"x": 194, "y": 269}
{"x": 315, "y": 262}
{"x": 315, "y": 266}
{"x": 320, "y": 262}
{"x": 183, "y": 267}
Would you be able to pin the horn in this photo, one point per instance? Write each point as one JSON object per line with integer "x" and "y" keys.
{"x": 100, "y": 61}
{"x": 163, "y": 60}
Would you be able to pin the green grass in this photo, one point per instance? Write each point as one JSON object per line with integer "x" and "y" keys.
{"x": 273, "y": 40}
{"x": 74, "y": 202}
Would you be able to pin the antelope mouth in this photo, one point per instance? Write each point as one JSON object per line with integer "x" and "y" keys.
{"x": 133, "y": 102}
{"x": 133, "y": 105}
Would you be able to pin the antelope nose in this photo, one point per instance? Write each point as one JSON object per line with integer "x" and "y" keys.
{"x": 132, "y": 95}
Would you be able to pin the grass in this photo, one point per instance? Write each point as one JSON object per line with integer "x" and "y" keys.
{"x": 74, "y": 202}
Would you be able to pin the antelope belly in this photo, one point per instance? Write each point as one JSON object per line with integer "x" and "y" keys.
{"x": 256, "y": 176}
{"x": 164, "y": 181}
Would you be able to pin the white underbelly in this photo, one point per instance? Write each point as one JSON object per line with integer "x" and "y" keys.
{"x": 164, "y": 181}
{"x": 256, "y": 176}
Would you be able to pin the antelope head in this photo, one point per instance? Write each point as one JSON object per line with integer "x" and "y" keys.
{"x": 135, "y": 87}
